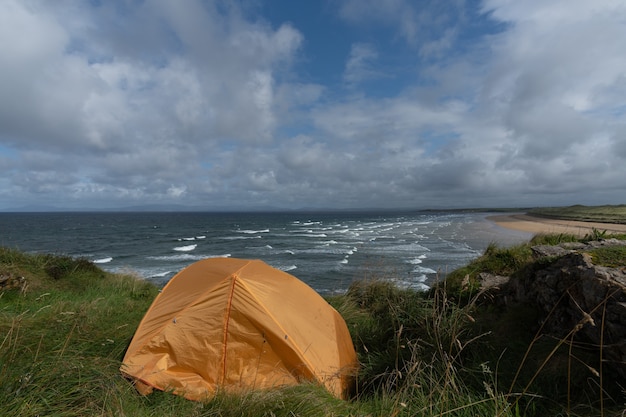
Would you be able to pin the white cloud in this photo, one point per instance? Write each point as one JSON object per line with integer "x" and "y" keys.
{"x": 360, "y": 64}
{"x": 548, "y": 83}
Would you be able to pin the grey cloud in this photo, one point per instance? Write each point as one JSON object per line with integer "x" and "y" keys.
{"x": 547, "y": 130}
{"x": 116, "y": 107}
{"x": 198, "y": 105}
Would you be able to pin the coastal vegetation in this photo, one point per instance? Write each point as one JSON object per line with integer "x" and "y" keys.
{"x": 65, "y": 325}
{"x": 602, "y": 214}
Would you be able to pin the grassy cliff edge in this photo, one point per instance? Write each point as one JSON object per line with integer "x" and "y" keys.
{"x": 65, "y": 325}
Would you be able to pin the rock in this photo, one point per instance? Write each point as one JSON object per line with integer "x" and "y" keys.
{"x": 545, "y": 250}
{"x": 604, "y": 242}
{"x": 572, "y": 245}
{"x": 9, "y": 281}
{"x": 577, "y": 297}
{"x": 488, "y": 281}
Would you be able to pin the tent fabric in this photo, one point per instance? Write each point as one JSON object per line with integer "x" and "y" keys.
{"x": 235, "y": 324}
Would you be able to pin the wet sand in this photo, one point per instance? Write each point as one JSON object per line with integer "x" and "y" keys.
{"x": 540, "y": 225}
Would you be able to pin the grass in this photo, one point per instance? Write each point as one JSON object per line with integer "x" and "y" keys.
{"x": 610, "y": 256}
{"x": 465, "y": 281}
{"x": 64, "y": 333}
{"x": 65, "y": 327}
{"x": 603, "y": 214}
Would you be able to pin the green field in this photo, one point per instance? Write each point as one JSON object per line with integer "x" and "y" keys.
{"x": 602, "y": 214}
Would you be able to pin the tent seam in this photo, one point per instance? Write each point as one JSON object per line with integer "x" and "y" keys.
{"x": 187, "y": 307}
{"x": 226, "y": 323}
{"x": 295, "y": 347}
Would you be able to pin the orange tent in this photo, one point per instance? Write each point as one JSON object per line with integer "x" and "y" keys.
{"x": 235, "y": 324}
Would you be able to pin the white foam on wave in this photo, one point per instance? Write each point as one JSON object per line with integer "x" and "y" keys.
{"x": 181, "y": 257}
{"x": 201, "y": 237}
{"x": 253, "y": 232}
{"x": 423, "y": 270}
{"x": 186, "y": 238}
{"x": 287, "y": 268}
{"x": 339, "y": 231}
{"x": 160, "y": 274}
{"x": 269, "y": 246}
{"x": 185, "y": 248}
{"x": 186, "y": 257}
{"x": 421, "y": 278}
{"x": 416, "y": 261}
{"x": 415, "y": 284}
{"x": 240, "y": 237}
{"x": 103, "y": 260}
{"x": 311, "y": 234}
{"x": 290, "y": 252}
{"x": 344, "y": 260}
{"x": 322, "y": 249}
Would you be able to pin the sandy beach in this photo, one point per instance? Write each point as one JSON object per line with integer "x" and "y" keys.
{"x": 537, "y": 225}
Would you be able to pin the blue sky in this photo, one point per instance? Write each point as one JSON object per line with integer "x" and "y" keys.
{"x": 258, "y": 104}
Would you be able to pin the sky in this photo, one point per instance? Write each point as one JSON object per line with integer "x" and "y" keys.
{"x": 313, "y": 104}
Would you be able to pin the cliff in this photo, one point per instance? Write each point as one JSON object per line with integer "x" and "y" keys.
{"x": 579, "y": 300}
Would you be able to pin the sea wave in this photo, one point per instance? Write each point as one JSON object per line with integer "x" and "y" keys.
{"x": 187, "y": 248}
{"x": 186, "y": 257}
{"x": 417, "y": 283}
{"x": 160, "y": 274}
{"x": 102, "y": 260}
{"x": 240, "y": 237}
{"x": 437, "y": 241}
{"x": 417, "y": 261}
{"x": 339, "y": 231}
{"x": 287, "y": 268}
{"x": 351, "y": 251}
{"x": 423, "y": 270}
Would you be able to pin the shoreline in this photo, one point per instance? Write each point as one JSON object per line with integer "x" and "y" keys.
{"x": 541, "y": 225}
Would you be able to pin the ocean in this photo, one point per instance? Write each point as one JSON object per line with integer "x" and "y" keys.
{"x": 327, "y": 250}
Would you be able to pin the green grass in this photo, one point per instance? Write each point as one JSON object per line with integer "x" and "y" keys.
{"x": 611, "y": 256}
{"x": 64, "y": 331}
{"x": 602, "y": 214}
{"x": 464, "y": 282}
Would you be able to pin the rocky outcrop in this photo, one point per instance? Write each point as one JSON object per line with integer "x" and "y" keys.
{"x": 579, "y": 299}
{"x": 9, "y": 281}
